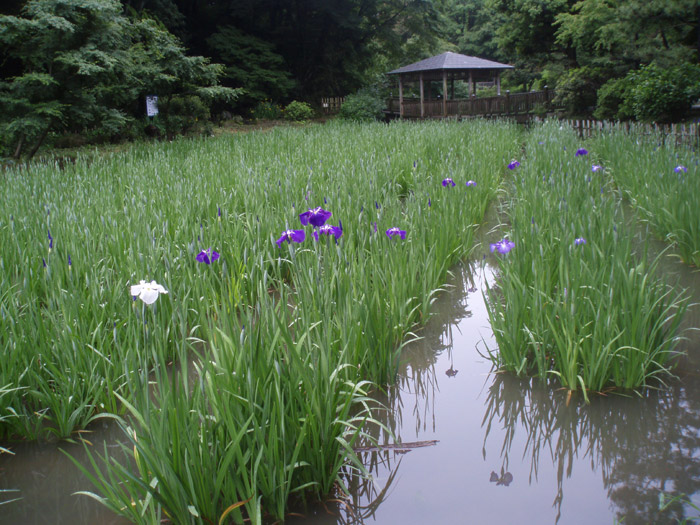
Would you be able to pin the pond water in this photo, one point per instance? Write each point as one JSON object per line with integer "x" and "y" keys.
{"x": 512, "y": 451}
{"x": 479, "y": 447}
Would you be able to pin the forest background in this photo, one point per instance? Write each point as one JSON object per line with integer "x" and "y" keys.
{"x": 77, "y": 71}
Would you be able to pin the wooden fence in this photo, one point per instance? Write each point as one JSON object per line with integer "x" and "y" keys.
{"x": 531, "y": 103}
{"x": 680, "y": 134}
{"x": 331, "y": 105}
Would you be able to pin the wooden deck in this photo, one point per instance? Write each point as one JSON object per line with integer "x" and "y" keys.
{"x": 508, "y": 105}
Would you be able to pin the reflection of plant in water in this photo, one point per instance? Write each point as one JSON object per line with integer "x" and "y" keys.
{"x": 665, "y": 502}
{"x": 416, "y": 386}
{"x": 505, "y": 479}
{"x": 642, "y": 445}
{"x": 417, "y": 377}
{"x": 367, "y": 493}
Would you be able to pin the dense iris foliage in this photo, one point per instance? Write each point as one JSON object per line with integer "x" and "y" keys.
{"x": 283, "y": 328}
{"x": 578, "y": 298}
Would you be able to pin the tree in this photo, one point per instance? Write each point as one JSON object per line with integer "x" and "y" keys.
{"x": 527, "y": 37}
{"x": 621, "y": 35}
{"x": 472, "y": 26}
{"x": 611, "y": 38}
{"x": 84, "y": 65}
{"x": 326, "y": 47}
{"x": 252, "y": 63}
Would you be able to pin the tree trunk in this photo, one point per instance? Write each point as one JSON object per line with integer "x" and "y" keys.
{"x": 18, "y": 151}
{"x": 39, "y": 142}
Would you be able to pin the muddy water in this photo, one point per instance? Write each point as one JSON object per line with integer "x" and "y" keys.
{"x": 478, "y": 447}
{"x": 45, "y": 480}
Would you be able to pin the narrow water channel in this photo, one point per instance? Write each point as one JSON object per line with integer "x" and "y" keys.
{"x": 511, "y": 451}
{"x": 479, "y": 447}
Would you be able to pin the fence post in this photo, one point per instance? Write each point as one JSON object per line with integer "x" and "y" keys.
{"x": 507, "y": 102}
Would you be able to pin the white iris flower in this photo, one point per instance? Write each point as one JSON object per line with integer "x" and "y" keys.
{"x": 147, "y": 292}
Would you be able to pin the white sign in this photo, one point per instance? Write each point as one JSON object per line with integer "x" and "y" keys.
{"x": 152, "y": 105}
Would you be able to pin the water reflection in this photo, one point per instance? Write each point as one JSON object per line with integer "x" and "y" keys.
{"x": 641, "y": 445}
{"x": 46, "y": 481}
{"x": 518, "y": 451}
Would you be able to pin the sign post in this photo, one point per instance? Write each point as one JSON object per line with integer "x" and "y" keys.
{"x": 151, "y": 105}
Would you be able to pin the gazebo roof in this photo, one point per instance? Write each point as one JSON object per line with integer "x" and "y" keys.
{"x": 450, "y": 61}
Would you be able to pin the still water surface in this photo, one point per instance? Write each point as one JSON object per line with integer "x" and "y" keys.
{"x": 512, "y": 451}
{"x": 495, "y": 449}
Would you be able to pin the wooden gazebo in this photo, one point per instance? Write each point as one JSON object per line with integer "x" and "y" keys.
{"x": 446, "y": 67}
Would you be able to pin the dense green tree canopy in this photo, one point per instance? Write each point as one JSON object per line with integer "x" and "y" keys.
{"x": 88, "y": 64}
{"x": 85, "y": 65}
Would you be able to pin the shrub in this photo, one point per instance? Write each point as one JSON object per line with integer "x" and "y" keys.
{"x": 664, "y": 94}
{"x": 576, "y": 90}
{"x": 266, "y": 110}
{"x": 363, "y": 106}
{"x": 298, "y": 111}
{"x": 651, "y": 94}
{"x": 182, "y": 113}
{"x": 613, "y": 100}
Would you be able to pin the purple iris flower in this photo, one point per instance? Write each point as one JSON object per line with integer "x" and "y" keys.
{"x": 579, "y": 240}
{"x": 448, "y": 182}
{"x": 580, "y": 152}
{"x": 503, "y": 246}
{"x": 429, "y": 202}
{"x": 219, "y": 212}
{"x": 70, "y": 263}
{"x": 391, "y": 232}
{"x": 374, "y": 224}
{"x": 50, "y": 239}
{"x": 315, "y": 217}
{"x": 513, "y": 164}
{"x": 327, "y": 229}
{"x": 291, "y": 236}
{"x": 207, "y": 256}
{"x": 596, "y": 167}
{"x": 43, "y": 261}
{"x": 471, "y": 183}
{"x": 680, "y": 168}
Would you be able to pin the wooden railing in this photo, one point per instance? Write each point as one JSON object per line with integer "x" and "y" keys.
{"x": 331, "y": 105}
{"x": 534, "y": 102}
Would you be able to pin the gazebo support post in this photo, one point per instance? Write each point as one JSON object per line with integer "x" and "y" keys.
{"x": 400, "y": 96}
{"x": 498, "y": 83}
{"x": 422, "y": 95}
{"x": 471, "y": 84}
{"x": 444, "y": 93}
